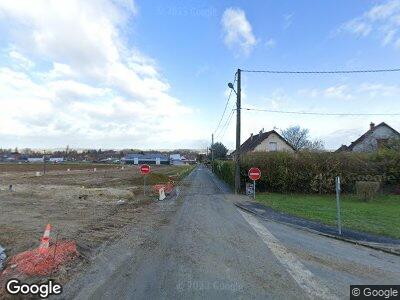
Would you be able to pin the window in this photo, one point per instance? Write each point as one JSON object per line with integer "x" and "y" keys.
{"x": 273, "y": 146}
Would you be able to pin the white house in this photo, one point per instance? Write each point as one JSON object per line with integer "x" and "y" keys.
{"x": 265, "y": 142}
{"x": 376, "y": 137}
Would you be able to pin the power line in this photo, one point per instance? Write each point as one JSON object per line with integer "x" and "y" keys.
{"x": 226, "y": 105}
{"x": 324, "y": 72}
{"x": 320, "y": 113}
{"x": 223, "y": 114}
{"x": 226, "y": 125}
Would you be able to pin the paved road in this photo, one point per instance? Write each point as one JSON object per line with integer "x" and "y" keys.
{"x": 211, "y": 250}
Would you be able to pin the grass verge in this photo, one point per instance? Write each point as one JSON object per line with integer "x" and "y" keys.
{"x": 381, "y": 216}
{"x": 177, "y": 173}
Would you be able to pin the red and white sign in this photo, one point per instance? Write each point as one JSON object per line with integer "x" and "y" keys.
{"x": 145, "y": 169}
{"x": 254, "y": 173}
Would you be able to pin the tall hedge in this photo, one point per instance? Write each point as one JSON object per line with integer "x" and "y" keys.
{"x": 311, "y": 172}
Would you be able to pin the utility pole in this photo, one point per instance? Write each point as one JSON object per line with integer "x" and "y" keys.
{"x": 44, "y": 162}
{"x": 237, "y": 152}
{"x": 339, "y": 223}
{"x": 212, "y": 152}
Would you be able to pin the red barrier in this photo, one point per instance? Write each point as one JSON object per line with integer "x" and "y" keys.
{"x": 167, "y": 187}
{"x": 34, "y": 263}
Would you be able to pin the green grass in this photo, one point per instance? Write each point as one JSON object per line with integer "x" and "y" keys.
{"x": 162, "y": 175}
{"x": 380, "y": 216}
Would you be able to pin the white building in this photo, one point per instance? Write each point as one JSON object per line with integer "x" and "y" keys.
{"x": 265, "y": 142}
{"x": 177, "y": 159}
{"x": 376, "y": 137}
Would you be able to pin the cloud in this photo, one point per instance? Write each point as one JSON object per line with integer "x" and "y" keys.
{"x": 382, "y": 21}
{"x": 77, "y": 80}
{"x": 379, "y": 89}
{"x": 287, "y": 20}
{"x": 358, "y": 27}
{"x": 270, "y": 43}
{"x": 339, "y": 92}
{"x": 21, "y": 60}
{"x": 237, "y": 30}
{"x": 365, "y": 90}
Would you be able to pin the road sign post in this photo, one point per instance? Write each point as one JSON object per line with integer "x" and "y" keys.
{"x": 254, "y": 189}
{"x": 337, "y": 183}
{"x": 254, "y": 174}
{"x": 144, "y": 169}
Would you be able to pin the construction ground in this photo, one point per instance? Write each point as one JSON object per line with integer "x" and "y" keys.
{"x": 86, "y": 203}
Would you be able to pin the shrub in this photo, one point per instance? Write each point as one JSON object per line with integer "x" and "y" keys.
{"x": 367, "y": 190}
{"x": 310, "y": 172}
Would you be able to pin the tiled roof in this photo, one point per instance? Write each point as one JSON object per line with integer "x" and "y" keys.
{"x": 253, "y": 141}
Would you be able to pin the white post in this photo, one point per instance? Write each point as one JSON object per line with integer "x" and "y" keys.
{"x": 144, "y": 185}
{"x": 254, "y": 189}
{"x": 337, "y": 181}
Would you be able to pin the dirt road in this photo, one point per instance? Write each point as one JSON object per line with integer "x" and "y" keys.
{"x": 209, "y": 249}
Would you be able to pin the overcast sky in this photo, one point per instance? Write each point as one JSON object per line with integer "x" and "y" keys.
{"x": 153, "y": 74}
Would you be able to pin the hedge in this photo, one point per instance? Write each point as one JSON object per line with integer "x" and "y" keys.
{"x": 314, "y": 172}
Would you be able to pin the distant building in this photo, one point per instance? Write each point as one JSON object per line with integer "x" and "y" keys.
{"x": 176, "y": 159}
{"x": 151, "y": 158}
{"x": 56, "y": 160}
{"x": 371, "y": 141}
{"x": 13, "y": 156}
{"x": 35, "y": 159}
{"x": 179, "y": 160}
{"x": 269, "y": 141}
{"x": 110, "y": 160}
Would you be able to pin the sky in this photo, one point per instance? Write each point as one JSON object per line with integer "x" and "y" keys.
{"x": 153, "y": 74}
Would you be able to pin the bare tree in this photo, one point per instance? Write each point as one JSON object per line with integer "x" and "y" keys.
{"x": 300, "y": 139}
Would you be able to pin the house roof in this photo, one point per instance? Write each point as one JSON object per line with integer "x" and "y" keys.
{"x": 342, "y": 148}
{"x": 365, "y": 135}
{"x": 254, "y": 140}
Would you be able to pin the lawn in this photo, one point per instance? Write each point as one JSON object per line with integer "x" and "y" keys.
{"x": 380, "y": 216}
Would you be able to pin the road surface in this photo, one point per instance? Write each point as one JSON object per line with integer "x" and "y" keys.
{"x": 209, "y": 249}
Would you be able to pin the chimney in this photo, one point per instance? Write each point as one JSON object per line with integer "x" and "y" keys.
{"x": 251, "y": 137}
{"x": 371, "y": 125}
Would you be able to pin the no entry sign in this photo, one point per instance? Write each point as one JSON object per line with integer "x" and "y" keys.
{"x": 254, "y": 174}
{"x": 145, "y": 169}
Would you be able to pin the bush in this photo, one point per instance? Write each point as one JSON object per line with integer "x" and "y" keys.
{"x": 310, "y": 172}
{"x": 367, "y": 190}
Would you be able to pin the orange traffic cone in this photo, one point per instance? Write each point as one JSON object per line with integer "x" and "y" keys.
{"x": 44, "y": 244}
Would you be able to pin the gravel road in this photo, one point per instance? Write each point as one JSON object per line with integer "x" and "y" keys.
{"x": 209, "y": 249}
